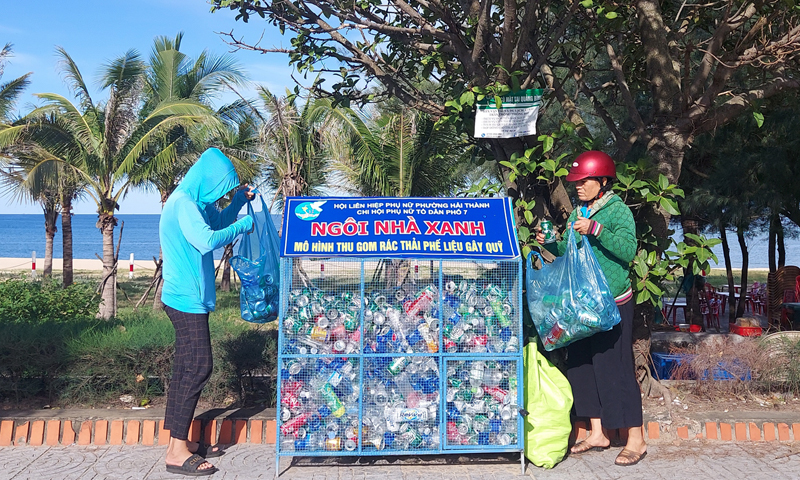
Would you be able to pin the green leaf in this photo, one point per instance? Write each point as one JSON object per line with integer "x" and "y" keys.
{"x": 611, "y": 15}
{"x": 467, "y": 98}
{"x": 548, "y": 143}
{"x": 663, "y": 183}
{"x": 562, "y": 172}
{"x": 759, "y": 118}
{"x": 526, "y": 250}
{"x": 528, "y": 217}
{"x": 695, "y": 238}
{"x": 587, "y": 3}
{"x": 498, "y": 101}
{"x": 509, "y": 165}
{"x": 670, "y": 205}
{"x": 524, "y": 234}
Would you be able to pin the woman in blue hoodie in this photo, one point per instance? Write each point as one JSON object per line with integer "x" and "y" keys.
{"x": 190, "y": 229}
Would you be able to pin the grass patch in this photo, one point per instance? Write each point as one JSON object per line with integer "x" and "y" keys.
{"x": 83, "y": 361}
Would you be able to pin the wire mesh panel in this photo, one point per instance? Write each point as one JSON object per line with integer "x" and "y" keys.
{"x": 480, "y": 307}
{"x": 481, "y": 403}
{"x": 401, "y": 404}
{"x": 319, "y": 404}
{"x": 323, "y": 307}
{"x": 401, "y": 301}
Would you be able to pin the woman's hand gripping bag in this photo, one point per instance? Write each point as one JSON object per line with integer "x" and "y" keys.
{"x": 548, "y": 400}
{"x": 569, "y": 299}
{"x": 258, "y": 267}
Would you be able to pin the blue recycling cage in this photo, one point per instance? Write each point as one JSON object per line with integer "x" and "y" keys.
{"x": 397, "y": 355}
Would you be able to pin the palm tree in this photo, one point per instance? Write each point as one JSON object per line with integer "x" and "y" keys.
{"x": 292, "y": 139}
{"x": 39, "y": 174}
{"x": 397, "y": 153}
{"x": 108, "y": 143}
{"x": 13, "y": 179}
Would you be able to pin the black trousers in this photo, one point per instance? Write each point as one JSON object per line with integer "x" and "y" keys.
{"x": 601, "y": 372}
{"x": 190, "y": 370}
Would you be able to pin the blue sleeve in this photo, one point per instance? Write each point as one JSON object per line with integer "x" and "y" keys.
{"x": 219, "y": 220}
{"x": 200, "y": 234}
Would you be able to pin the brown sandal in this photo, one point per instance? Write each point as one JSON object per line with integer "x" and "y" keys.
{"x": 583, "y": 446}
{"x": 630, "y": 457}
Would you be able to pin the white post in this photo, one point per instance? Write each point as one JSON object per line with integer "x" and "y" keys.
{"x": 322, "y": 271}
{"x": 130, "y": 272}
{"x": 33, "y": 265}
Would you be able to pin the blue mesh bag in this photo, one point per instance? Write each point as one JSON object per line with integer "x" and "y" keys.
{"x": 258, "y": 267}
{"x": 569, "y": 299}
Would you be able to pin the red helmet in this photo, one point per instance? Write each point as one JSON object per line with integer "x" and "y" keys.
{"x": 592, "y": 164}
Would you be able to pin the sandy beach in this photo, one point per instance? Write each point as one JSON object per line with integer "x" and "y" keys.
{"x": 139, "y": 266}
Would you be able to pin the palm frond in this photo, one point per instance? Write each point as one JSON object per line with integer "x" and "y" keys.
{"x": 212, "y": 73}
{"x": 123, "y": 72}
{"x": 10, "y": 134}
{"x": 10, "y": 92}
{"x": 83, "y": 126}
{"x": 74, "y": 79}
{"x": 157, "y": 125}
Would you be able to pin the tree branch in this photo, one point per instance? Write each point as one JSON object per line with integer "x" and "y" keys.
{"x": 734, "y": 106}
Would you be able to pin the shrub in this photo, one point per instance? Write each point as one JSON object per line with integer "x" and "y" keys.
{"x": 781, "y": 370}
{"x": 720, "y": 366}
{"x": 94, "y": 362}
{"x": 46, "y": 301}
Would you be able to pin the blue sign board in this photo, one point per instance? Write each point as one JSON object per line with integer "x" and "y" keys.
{"x": 399, "y": 227}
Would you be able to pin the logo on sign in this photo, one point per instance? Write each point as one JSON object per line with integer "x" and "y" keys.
{"x": 308, "y": 210}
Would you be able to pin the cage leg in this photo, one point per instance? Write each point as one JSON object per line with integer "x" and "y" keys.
{"x": 277, "y": 466}
{"x": 522, "y": 461}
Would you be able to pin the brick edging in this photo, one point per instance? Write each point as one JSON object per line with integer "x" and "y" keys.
{"x": 721, "y": 431}
{"x": 55, "y": 432}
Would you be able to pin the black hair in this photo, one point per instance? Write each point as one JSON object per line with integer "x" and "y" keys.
{"x": 604, "y": 188}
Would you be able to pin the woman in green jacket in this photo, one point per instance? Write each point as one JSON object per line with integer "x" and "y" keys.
{"x": 601, "y": 368}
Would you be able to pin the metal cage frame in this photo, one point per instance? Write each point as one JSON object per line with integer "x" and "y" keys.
{"x": 441, "y": 357}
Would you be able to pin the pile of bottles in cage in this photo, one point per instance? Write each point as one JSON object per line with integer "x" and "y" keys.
{"x": 477, "y": 319}
{"x": 400, "y": 403}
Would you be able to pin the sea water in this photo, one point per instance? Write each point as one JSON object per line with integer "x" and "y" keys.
{"x": 22, "y": 234}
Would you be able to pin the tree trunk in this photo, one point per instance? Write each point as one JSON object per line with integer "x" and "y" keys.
{"x": 781, "y": 244}
{"x": 66, "y": 238}
{"x": 108, "y": 296}
{"x": 745, "y": 261}
{"x": 773, "y": 233}
{"x": 50, "y": 229}
{"x": 159, "y": 279}
{"x": 693, "y": 314}
{"x": 225, "y": 282}
{"x": 726, "y": 254}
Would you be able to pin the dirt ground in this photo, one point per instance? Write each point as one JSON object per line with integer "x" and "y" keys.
{"x": 687, "y": 403}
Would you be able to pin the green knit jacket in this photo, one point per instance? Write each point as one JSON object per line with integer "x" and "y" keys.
{"x": 613, "y": 240}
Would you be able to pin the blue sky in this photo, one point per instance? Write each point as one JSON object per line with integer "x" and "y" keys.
{"x": 94, "y": 32}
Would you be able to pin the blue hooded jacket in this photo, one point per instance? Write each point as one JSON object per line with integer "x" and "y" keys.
{"x": 191, "y": 228}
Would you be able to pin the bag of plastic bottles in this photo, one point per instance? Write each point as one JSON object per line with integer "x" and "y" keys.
{"x": 569, "y": 299}
{"x": 257, "y": 266}
{"x": 548, "y": 399}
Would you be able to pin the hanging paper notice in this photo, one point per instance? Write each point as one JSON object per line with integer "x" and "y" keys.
{"x": 516, "y": 116}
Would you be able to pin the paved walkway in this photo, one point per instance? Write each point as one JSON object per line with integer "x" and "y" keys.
{"x": 693, "y": 459}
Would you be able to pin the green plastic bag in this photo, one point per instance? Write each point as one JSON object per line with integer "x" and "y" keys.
{"x": 548, "y": 400}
